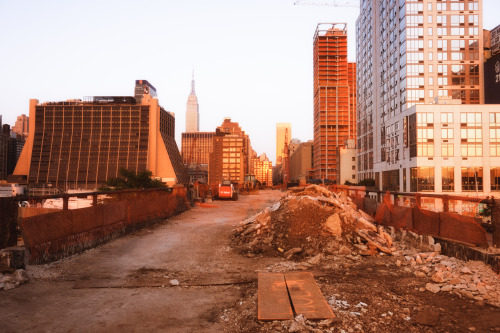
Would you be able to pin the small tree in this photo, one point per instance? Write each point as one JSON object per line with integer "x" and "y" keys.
{"x": 132, "y": 180}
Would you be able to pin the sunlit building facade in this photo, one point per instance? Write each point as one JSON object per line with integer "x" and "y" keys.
{"x": 411, "y": 52}
{"x": 231, "y": 154}
{"x": 196, "y": 148}
{"x": 82, "y": 144}
{"x": 263, "y": 169}
{"x": 334, "y": 98}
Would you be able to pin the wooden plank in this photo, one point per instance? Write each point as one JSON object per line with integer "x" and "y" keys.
{"x": 306, "y": 297}
{"x": 273, "y": 300}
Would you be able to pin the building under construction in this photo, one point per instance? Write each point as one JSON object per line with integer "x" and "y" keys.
{"x": 334, "y": 97}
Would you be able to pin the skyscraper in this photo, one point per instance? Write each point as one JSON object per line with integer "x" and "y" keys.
{"x": 84, "y": 143}
{"x": 21, "y": 126}
{"x": 334, "y": 97}
{"x": 192, "y": 111}
{"x": 282, "y": 130}
{"x": 411, "y": 52}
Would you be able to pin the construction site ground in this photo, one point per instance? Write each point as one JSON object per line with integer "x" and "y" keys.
{"x": 187, "y": 274}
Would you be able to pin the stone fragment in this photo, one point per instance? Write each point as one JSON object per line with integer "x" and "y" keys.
{"x": 432, "y": 287}
{"x": 466, "y": 270}
{"x": 334, "y": 225}
{"x": 316, "y": 259}
{"x": 344, "y": 250}
{"x": 290, "y": 253}
{"x": 420, "y": 274}
{"x": 174, "y": 282}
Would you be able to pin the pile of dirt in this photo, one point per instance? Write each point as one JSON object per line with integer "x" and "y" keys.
{"x": 312, "y": 221}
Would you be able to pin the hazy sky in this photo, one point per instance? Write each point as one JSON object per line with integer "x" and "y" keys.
{"x": 252, "y": 59}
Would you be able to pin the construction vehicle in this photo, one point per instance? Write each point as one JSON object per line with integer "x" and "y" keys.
{"x": 226, "y": 190}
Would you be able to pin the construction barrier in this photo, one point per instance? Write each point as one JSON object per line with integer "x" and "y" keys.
{"x": 56, "y": 235}
{"x": 447, "y": 225}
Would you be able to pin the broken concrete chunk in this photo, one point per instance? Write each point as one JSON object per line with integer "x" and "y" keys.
{"x": 333, "y": 225}
{"x": 374, "y": 239}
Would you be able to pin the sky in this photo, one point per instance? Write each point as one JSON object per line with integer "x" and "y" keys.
{"x": 252, "y": 60}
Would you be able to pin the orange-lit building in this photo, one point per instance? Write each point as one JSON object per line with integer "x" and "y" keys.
{"x": 334, "y": 98}
{"x": 196, "y": 148}
{"x": 82, "y": 144}
{"x": 263, "y": 169}
{"x": 230, "y": 156}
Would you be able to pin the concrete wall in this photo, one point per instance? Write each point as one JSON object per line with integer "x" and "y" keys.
{"x": 56, "y": 235}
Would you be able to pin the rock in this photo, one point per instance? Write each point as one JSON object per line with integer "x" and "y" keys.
{"x": 344, "y": 250}
{"x": 290, "y": 253}
{"x": 21, "y": 276}
{"x": 361, "y": 247}
{"x": 438, "y": 277}
{"x": 333, "y": 225}
{"x": 398, "y": 263}
{"x": 316, "y": 259}
{"x": 420, "y": 274}
{"x": 374, "y": 239}
{"x": 466, "y": 270}
{"x": 433, "y": 288}
{"x": 446, "y": 288}
{"x": 364, "y": 224}
{"x": 174, "y": 282}
{"x": 9, "y": 286}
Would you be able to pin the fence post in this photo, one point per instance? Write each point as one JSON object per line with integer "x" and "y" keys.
{"x": 446, "y": 203}
{"x": 8, "y": 222}
{"x": 65, "y": 202}
{"x": 495, "y": 221}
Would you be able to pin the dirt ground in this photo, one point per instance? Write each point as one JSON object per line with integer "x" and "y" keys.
{"x": 130, "y": 284}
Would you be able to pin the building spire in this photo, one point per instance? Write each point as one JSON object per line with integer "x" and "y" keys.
{"x": 192, "y": 83}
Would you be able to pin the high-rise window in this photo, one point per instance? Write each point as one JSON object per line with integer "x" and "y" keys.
{"x": 422, "y": 179}
{"x": 495, "y": 178}
{"x": 472, "y": 179}
{"x": 471, "y": 134}
{"x": 495, "y": 134}
{"x": 447, "y": 178}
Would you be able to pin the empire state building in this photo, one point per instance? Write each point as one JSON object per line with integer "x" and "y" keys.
{"x": 192, "y": 111}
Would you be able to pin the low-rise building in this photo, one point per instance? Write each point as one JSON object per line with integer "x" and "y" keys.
{"x": 445, "y": 147}
{"x": 301, "y": 162}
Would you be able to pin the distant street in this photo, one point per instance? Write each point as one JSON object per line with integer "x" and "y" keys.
{"x": 128, "y": 284}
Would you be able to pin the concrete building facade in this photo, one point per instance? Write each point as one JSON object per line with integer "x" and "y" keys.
{"x": 334, "y": 97}
{"x": 82, "y": 144}
{"x": 346, "y": 165}
{"x": 447, "y": 148}
{"x": 231, "y": 154}
{"x": 301, "y": 162}
{"x": 196, "y": 148}
{"x": 408, "y": 53}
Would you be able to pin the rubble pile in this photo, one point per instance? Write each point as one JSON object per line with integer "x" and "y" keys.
{"x": 12, "y": 279}
{"x": 310, "y": 221}
{"x": 473, "y": 279}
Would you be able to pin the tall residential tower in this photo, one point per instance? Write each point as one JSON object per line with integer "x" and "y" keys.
{"x": 413, "y": 52}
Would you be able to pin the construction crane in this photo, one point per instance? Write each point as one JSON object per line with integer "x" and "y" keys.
{"x": 327, "y": 3}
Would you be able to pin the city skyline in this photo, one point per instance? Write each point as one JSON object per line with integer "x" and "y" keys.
{"x": 259, "y": 53}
